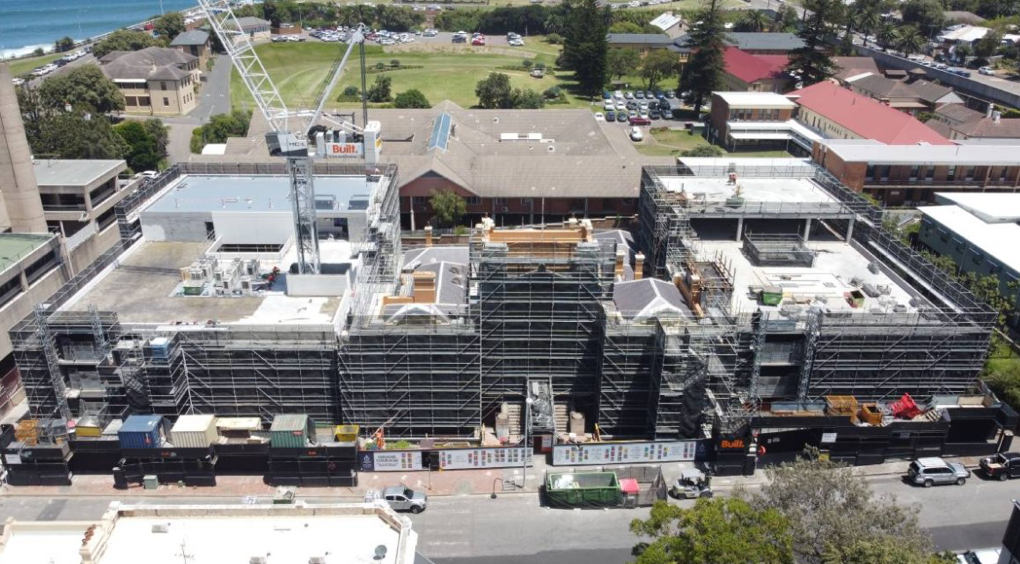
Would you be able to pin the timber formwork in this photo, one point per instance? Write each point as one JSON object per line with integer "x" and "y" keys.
{"x": 540, "y": 311}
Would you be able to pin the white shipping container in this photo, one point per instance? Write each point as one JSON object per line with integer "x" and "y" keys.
{"x": 194, "y": 431}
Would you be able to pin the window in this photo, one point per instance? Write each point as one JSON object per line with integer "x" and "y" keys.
{"x": 162, "y": 85}
{"x": 473, "y": 200}
{"x": 914, "y": 170}
{"x": 969, "y": 175}
{"x": 884, "y": 172}
{"x": 130, "y": 100}
{"x": 929, "y": 173}
{"x": 144, "y": 101}
{"x": 500, "y": 201}
{"x": 166, "y": 101}
{"x": 527, "y": 202}
{"x": 1002, "y": 177}
{"x": 870, "y": 173}
{"x": 419, "y": 200}
{"x": 951, "y": 173}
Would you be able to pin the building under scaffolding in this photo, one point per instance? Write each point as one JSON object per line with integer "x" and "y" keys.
{"x": 749, "y": 282}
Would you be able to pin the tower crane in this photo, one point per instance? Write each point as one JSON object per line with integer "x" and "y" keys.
{"x": 289, "y": 130}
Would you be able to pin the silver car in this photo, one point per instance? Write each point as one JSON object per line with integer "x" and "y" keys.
{"x": 934, "y": 471}
{"x": 401, "y": 498}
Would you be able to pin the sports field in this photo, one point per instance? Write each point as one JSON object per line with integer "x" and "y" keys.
{"x": 441, "y": 71}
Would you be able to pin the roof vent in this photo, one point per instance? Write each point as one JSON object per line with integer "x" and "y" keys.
{"x": 317, "y": 560}
{"x": 495, "y": 120}
{"x": 552, "y": 148}
{"x": 380, "y": 552}
{"x": 161, "y": 528}
{"x": 257, "y": 560}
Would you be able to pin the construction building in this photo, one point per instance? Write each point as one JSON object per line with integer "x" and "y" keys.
{"x": 749, "y": 281}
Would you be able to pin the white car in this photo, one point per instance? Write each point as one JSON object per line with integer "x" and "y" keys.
{"x": 516, "y": 43}
{"x": 609, "y": 106}
{"x": 987, "y": 71}
{"x": 18, "y": 81}
{"x": 599, "y": 116}
{"x": 635, "y": 134}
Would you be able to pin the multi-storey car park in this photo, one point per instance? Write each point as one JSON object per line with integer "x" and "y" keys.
{"x": 749, "y": 283}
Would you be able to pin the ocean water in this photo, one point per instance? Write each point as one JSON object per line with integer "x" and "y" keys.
{"x": 28, "y": 24}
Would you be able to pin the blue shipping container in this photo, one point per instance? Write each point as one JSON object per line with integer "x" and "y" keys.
{"x": 141, "y": 431}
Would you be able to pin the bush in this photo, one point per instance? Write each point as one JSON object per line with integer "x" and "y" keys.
{"x": 527, "y": 63}
{"x": 703, "y": 151}
{"x": 395, "y": 63}
{"x": 540, "y": 66}
{"x": 351, "y": 91}
{"x": 553, "y": 92}
{"x": 411, "y": 99}
{"x": 380, "y": 65}
{"x": 554, "y": 38}
{"x": 380, "y": 90}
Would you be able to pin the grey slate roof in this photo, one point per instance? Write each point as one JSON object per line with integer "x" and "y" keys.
{"x": 882, "y": 87}
{"x": 249, "y": 22}
{"x": 192, "y": 37}
{"x": 638, "y": 300}
{"x": 929, "y": 91}
{"x": 958, "y": 114}
{"x": 148, "y": 63}
{"x": 426, "y": 255}
{"x": 639, "y": 38}
{"x": 752, "y": 41}
{"x": 451, "y": 281}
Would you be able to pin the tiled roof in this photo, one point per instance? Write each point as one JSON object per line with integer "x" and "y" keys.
{"x": 929, "y": 91}
{"x": 640, "y": 38}
{"x": 751, "y": 41}
{"x": 192, "y": 37}
{"x": 881, "y": 87}
{"x": 853, "y": 66}
{"x": 159, "y": 63}
{"x": 958, "y": 113}
{"x": 989, "y": 128}
{"x": 750, "y": 68}
{"x": 866, "y": 117}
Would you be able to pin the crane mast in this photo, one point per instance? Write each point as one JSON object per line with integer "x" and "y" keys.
{"x": 288, "y": 129}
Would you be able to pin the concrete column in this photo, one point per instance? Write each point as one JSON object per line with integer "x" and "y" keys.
{"x": 17, "y": 173}
{"x": 807, "y": 229}
{"x": 740, "y": 228}
{"x": 850, "y": 230}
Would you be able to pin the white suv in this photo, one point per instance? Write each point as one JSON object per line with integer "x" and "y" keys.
{"x": 933, "y": 471}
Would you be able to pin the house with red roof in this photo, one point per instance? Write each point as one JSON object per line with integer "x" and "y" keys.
{"x": 746, "y": 72}
{"x": 838, "y": 113}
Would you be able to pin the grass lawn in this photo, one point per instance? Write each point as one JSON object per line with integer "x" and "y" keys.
{"x": 447, "y": 71}
{"x": 673, "y": 141}
{"x": 25, "y": 66}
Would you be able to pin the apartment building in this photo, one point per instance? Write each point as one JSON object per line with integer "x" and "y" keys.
{"x": 755, "y": 73}
{"x": 899, "y": 175}
{"x": 156, "y": 80}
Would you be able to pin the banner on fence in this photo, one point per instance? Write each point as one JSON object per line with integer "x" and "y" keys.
{"x": 467, "y": 458}
{"x": 390, "y": 461}
{"x": 620, "y": 453}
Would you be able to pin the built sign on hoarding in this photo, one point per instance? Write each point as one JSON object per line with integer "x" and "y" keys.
{"x": 345, "y": 150}
{"x": 467, "y": 458}
{"x": 391, "y": 461}
{"x": 622, "y": 453}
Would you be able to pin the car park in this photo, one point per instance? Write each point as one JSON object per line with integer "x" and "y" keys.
{"x": 635, "y": 134}
{"x": 934, "y": 471}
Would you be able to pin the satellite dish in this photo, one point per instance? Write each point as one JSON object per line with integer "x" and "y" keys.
{"x": 380, "y": 552}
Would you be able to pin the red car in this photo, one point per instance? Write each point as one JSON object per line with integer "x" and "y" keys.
{"x": 478, "y": 40}
{"x": 640, "y": 121}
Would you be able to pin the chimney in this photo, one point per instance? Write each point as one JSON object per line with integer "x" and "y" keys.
{"x": 639, "y": 265}
{"x": 424, "y": 286}
{"x": 996, "y": 116}
{"x": 428, "y": 235}
{"x": 17, "y": 173}
{"x": 988, "y": 112}
{"x": 618, "y": 268}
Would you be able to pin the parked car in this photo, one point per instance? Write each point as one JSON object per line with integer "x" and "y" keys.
{"x": 649, "y": 95}
{"x": 403, "y": 498}
{"x": 607, "y": 95}
{"x": 621, "y": 116}
{"x": 980, "y": 556}
{"x": 628, "y": 95}
{"x": 670, "y": 94}
{"x": 610, "y": 115}
{"x": 654, "y": 114}
{"x": 618, "y": 95}
{"x": 659, "y": 94}
{"x": 691, "y": 484}
{"x": 631, "y": 105}
{"x": 1002, "y": 466}
{"x": 666, "y": 114}
{"x": 599, "y": 116}
{"x": 635, "y": 134}
{"x": 637, "y": 120}
{"x": 18, "y": 81}
{"x": 986, "y": 71}
{"x": 933, "y": 471}
{"x": 639, "y": 95}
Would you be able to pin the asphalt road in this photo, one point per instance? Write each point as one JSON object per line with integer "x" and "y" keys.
{"x": 515, "y": 529}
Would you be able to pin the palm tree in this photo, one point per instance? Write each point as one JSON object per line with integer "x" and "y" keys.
{"x": 755, "y": 21}
{"x": 887, "y": 34}
{"x": 867, "y": 21}
{"x": 910, "y": 40}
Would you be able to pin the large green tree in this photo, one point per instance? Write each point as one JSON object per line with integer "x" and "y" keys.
{"x": 887, "y": 34}
{"x": 585, "y": 49}
{"x": 754, "y": 21}
{"x": 987, "y": 45}
{"x": 813, "y": 61}
{"x": 219, "y": 128}
{"x": 85, "y": 88}
{"x": 142, "y": 151}
{"x": 927, "y": 15}
{"x": 448, "y": 207}
{"x": 494, "y": 92}
{"x": 703, "y": 72}
{"x": 63, "y": 44}
{"x": 125, "y": 40}
{"x": 910, "y": 41}
{"x": 621, "y": 62}
{"x": 526, "y": 99}
{"x": 169, "y": 25}
{"x": 834, "y": 516}
{"x": 381, "y": 89}
{"x": 716, "y": 531}
{"x": 657, "y": 65}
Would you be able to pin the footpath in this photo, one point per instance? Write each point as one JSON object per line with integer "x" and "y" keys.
{"x": 501, "y": 481}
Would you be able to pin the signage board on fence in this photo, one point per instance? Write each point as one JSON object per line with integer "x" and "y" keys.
{"x": 467, "y": 458}
{"x": 623, "y": 453}
{"x": 391, "y": 461}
